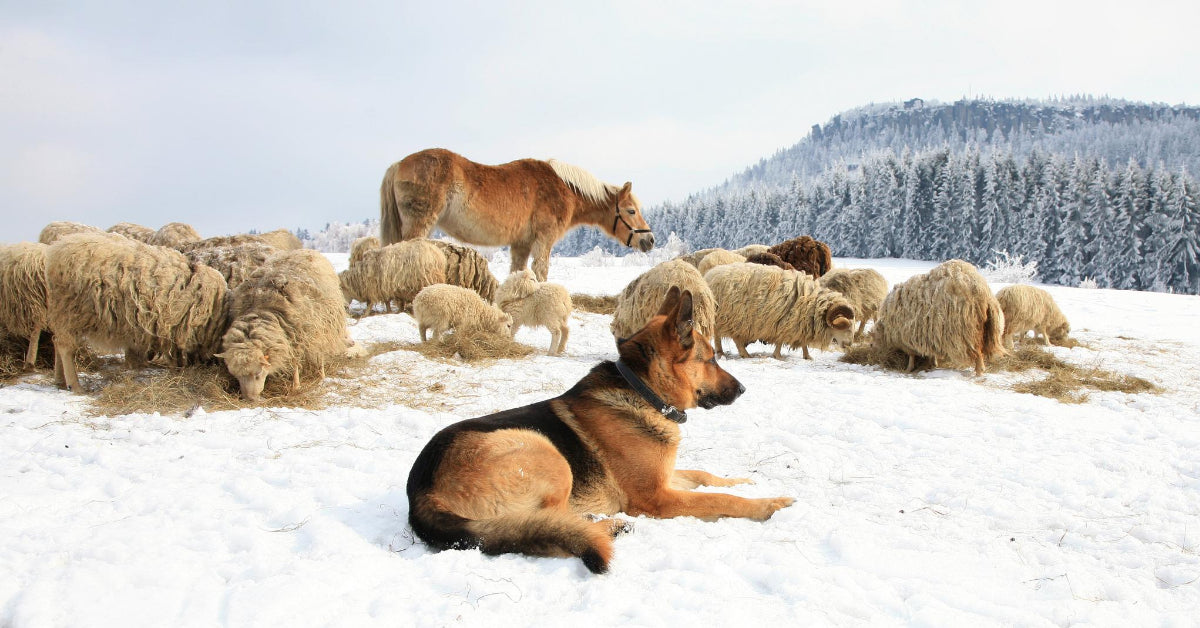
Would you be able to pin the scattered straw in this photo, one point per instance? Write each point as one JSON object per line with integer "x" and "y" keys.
{"x": 472, "y": 345}
{"x": 605, "y": 304}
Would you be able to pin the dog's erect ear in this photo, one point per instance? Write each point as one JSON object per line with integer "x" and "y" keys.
{"x": 670, "y": 302}
{"x": 683, "y": 320}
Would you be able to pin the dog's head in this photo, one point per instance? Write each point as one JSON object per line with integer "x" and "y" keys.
{"x": 678, "y": 361}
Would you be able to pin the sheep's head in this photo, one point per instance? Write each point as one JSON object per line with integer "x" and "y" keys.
{"x": 252, "y": 349}
{"x": 840, "y": 319}
{"x": 502, "y": 323}
{"x": 1058, "y": 335}
{"x": 518, "y": 285}
{"x": 347, "y": 283}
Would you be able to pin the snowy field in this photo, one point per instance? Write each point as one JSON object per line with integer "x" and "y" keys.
{"x": 929, "y": 500}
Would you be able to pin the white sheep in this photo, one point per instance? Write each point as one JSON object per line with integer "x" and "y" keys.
{"x": 442, "y": 307}
{"x": 52, "y": 232}
{"x": 282, "y": 239}
{"x": 946, "y": 315}
{"x": 465, "y": 267}
{"x": 396, "y": 272}
{"x": 361, "y": 246}
{"x": 531, "y": 303}
{"x": 133, "y": 231}
{"x": 695, "y": 257}
{"x": 864, "y": 288}
{"x": 783, "y": 307}
{"x": 641, "y": 299}
{"x": 752, "y": 249}
{"x": 718, "y": 257}
{"x": 1028, "y": 308}
{"x": 23, "y": 293}
{"x": 120, "y": 293}
{"x": 287, "y": 317}
{"x": 235, "y": 262}
{"x": 174, "y": 235}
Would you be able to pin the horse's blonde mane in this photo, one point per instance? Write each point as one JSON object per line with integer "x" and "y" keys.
{"x": 583, "y": 182}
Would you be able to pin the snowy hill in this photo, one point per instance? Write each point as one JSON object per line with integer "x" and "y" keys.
{"x": 934, "y": 499}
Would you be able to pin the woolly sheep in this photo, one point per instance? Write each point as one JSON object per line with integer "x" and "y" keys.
{"x": 947, "y": 315}
{"x": 784, "y": 307}
{"x": 287, "y": 317}
{"x": 282, "y": 239}
{"x": 531, "y": 303}
{"x": 174, "y": 234}
{"x": 121, "y": 293}
{"x": 221, "y": 241}
{"x": 236, "y": 263}
{"x": 1028, "y": 308}
{"x": 695, "y": 257}
{"x": 719, "y": 257}
{"x": 442, "y": 307}
{"x": 641, "y": 299}
{"x": 752, "y": 249}
{"x": 23, "y": 293}
{"x": 58, "y": 229}
{"x": 864, "y": 288}
{"x": 394, "y": 272}
{"x": 361, "y": 246}
{"x": 132, "y": 231}
{"x": 805, "y": 254}
{"x": 768, "y": 259}
{"x": 465, "y": 267}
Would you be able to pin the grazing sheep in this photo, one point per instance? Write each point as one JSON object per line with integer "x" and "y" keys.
{"x": 361, "y": 246}
{"x": 752, "y": 249}
{"x": 282, "y": 239}
{"x": 947, "y": 315}
{"x": 236, "y": 262}
{"x": 719, "y": 257}
{"x": 864, "y": 288}
{"x": 396, "y": 272}
{"x": 287, "y": 318}
{"x": 174, "y": 235}
{"x": 1028, "y": 308}
{"x": 805, "y": 254}
{"x": 133, "y": 231}
{"x": 531, "y": 303}
{"x": 121, "y": 293}
{"x": 768, "y": 259}
{"x": 443, "y": 307}
{"x": 23, "y": 294}
{"x": 52, "y": 232}
{"x": 695, "y": 257}
{"x": 641, "y": 299}
{"x": 784, "y": 307}
{"x": 467, "y": 268}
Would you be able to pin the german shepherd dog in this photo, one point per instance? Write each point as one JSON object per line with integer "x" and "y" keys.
{"x": 525, "y": 480}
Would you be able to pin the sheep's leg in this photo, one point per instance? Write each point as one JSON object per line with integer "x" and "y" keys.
{"x": 1045, "y": 337}
{"x": 424, "y": 329}
{"x": 805, "y": 348}
{"x": 912, "y": 363}
{"x": 134, "y": 358}
{"x": 777, "y": 355}
{"x": 562, "y": 338}
{"x": 58, "y": 369}
{"x": 861, "y": 326}
{"x": 979, "y": 365}
{"x": 717, "y": 344}
{"x": 66, "y": 359}
{"x": 31, "y": 354}
{"x": 519, "y": 251}
{"x": 295, "y": 377}
{"x": 553, "y": 342}
{"x": 741, "y": 347}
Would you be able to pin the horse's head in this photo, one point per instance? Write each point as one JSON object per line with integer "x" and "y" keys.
{"x": 629, "y": 226}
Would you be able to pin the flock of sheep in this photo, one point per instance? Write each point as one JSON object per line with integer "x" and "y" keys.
{"x": 264, "y": 306}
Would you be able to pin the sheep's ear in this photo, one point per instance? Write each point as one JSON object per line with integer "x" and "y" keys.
{"x": 266, "y": 360}
{"x": 683, "y": 320}
{"x": 670, "y": 302}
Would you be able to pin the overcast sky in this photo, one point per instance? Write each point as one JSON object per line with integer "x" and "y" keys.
{"x": 239, "y": 115}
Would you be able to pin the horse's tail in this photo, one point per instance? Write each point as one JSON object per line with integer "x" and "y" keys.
{"x": 390, "y": 226}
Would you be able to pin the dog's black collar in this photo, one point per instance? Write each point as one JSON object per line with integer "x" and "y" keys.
{"x": 667, "y": 410}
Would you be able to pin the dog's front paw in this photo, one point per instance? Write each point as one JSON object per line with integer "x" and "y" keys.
{"x": 771, "y": 504}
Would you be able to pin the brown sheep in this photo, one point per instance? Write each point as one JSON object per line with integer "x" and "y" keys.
{"x": 769, "y": 259}
{"x": 806, "y": 255}
{"x": 947, "y": 315}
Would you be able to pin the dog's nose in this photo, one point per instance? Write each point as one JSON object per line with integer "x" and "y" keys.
{"x": 741, "y": 389}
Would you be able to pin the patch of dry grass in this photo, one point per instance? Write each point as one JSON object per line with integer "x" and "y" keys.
{"x": 866, "y": 353}
{"x": 604, "y": 304}
{"x": 472, "y": 345}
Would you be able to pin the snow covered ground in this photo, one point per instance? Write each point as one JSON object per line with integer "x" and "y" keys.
{"x": 935, "y": 499}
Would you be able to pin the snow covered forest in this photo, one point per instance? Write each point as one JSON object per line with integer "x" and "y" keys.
{"x": 1087, "y": 188}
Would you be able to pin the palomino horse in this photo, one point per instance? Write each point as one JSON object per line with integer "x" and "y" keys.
{"x": 528, "y": 204}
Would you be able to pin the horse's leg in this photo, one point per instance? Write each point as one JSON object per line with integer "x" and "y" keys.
{"x": 541, "y": 258}
{"x": 520, "y": 256}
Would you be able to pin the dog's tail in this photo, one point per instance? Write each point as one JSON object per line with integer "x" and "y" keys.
{"x": 540, "y": 533}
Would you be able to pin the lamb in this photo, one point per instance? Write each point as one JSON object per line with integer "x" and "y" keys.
{"x": 120, "y": 293}
{"x": 1028, "y": 308}
{"x": 465, "y": 267}
{"x": 361, "y": 246}
{"x": 805, "y": 254}
{"x": 236, "y": 262}
{"x": 947, "y": 315}
{"x": 394, "y": 272}
{"x": 531, "y": 303}
{"x": 641, "y": 299}
{"x": 132, "y": 231}
{"x": 864, "y": 288}
{"x": 756, "y": 302}
{"x": 287, "y": 317}
{"x": 768, "y": 259}
{"x": 23, "y": 294}
{"x": 52, "y": 232}
{"x": 718, "y": 257}
{"x": 443, "y": 307}
{"x": 282, "y": 239}
{"x": 174, "y": 234}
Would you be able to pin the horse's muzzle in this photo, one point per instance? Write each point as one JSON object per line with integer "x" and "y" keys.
{"x": 645, "y": 242}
